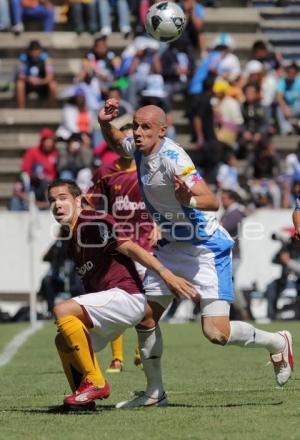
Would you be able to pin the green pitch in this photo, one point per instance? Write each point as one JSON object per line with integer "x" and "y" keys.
{"x": 216, "y": 393}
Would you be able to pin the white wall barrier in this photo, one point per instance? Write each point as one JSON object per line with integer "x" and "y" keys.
{"x": 257, "y": 248}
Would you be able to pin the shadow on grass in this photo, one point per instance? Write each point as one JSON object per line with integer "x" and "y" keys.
{"x": 102, "y": 408}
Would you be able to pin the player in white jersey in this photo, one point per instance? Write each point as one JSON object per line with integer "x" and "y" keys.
{"x": 193, "y": 245}
{"x": 296, "y": 217}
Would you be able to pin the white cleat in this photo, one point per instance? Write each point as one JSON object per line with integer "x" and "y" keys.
{"x": 144, "y": 401}
{"x": 283, "y": 362}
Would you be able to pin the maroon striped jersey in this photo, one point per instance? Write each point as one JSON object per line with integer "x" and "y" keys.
{"x": 93, "y": 247}
{"x": 123, "y": 201}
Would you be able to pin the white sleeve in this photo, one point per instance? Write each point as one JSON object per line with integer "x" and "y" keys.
{"x": 128, "y": 146}
{"x": 180, "y": 164}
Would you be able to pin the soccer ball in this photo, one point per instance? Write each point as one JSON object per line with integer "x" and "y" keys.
{"x": 165, "y": 21}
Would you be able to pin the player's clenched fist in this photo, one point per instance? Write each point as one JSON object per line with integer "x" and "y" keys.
{"x": 110, "y": 110}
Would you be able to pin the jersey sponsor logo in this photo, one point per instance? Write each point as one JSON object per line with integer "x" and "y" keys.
{"x": 117, "y": 187}
{"x": 173, "y": 155}
{"x": 86, "y": 267}
{"x": 123, "y": 203}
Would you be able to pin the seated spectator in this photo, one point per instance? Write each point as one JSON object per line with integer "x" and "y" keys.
{"x": 36, "y": 183}
{"x": 5, "y": 21}
{"x": 288, "y": 100}
{"x": 76, "y": 116}
{"x": 44, "y": 154}
{"x": 266, "y": 81}
{"x": 76, "y": 155}
{"x": 105, "y": 12}
{"x": 177, "y": 63}
{"x": 83, "y": 16}
{"x": 155, "y": 94}
{"x": 227, "y": 175}
{"x": 229, "y": 67}
{"x": 35, "y": 74}
{"x": 194, "y": 25}
{"x": 41, "y": 10}
{"x": 97, "y": 73}
{"x": 228, "y": 115}
{"x": 255, "y": 123}
{"x": 143, "y": 62}
{"x": 265, "y": 169}
{"x": 261, "y": 52}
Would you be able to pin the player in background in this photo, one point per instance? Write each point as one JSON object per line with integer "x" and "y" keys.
{"x": 118, "y": 183}
{"x": 296, "y": 216}
{"x": 102, "y": 253}
{"x": 193, "y": 244}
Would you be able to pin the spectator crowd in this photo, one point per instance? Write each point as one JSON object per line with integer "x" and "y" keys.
{"x": 233, "y": 108}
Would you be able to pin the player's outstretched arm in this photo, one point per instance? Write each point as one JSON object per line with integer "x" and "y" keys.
{"x": 111, "y": 134}
{"x": 177, "y": 285}
{"x": 296, "y": 221}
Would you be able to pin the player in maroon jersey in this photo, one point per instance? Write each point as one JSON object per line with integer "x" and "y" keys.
{"x": 102, "y": 253}
{"x": 116, "y": 189}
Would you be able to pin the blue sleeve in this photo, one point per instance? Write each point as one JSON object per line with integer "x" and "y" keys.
{"x": 199, "y": 11}
{"x": 281, "y": 85}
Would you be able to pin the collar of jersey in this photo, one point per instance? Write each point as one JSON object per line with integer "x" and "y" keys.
{"x": 156, "y": 153}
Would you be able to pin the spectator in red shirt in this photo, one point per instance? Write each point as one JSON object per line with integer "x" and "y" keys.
{"x": 44, "y": 154}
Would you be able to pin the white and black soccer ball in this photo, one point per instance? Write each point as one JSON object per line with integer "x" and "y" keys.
{"x": 165, "y": 21}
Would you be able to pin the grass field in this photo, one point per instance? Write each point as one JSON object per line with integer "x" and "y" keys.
{"x": 215, "y": 393}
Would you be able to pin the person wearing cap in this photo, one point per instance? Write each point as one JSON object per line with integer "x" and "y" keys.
{"x": 143, "y": 62}
{"x": 228, "y": 115}
{"x": 288, "y": 100}
{"x": 35, "y": 74}
{"x": 229, "y": 67}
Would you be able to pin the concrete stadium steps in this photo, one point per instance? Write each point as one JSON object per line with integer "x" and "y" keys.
{"x": 64, "y": 45}
{"x": 231, "y": 20}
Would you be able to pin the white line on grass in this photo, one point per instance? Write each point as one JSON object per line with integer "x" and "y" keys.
{"x": 13, "y": 346}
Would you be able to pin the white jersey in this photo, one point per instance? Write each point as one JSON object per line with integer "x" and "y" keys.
{"x": 156, "y": 177}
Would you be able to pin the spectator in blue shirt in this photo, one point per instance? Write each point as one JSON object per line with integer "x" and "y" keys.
{"x": 194, "y": 24}
{"x": 288, "y": 99}
{"x": 35, "y": 74}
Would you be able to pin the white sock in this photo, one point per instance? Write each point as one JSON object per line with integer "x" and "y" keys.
{"x": 245, "y": 335}
{"x": 151, "y": 347}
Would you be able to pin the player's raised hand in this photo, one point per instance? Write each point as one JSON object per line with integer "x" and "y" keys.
{"x": 110, "y": 110}
{"x": 182, "y": 191}
{"x": 179, "y": 286}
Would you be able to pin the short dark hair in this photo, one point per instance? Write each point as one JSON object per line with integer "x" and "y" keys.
{"x": 34, "y": 45}
{"x": 71, "y": 184}
{"x": 259, "y": 45}
{"x": 231, "y": 194}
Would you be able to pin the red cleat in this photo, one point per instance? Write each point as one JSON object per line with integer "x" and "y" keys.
{"x": 87, "y": 392}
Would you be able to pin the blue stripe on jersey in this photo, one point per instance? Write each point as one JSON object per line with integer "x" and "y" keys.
{"x": 176, "y": 231}
{"x": 198, "y": 221}
{"x": 221, "y": 244}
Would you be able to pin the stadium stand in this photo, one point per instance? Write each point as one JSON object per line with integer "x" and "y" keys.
{"x": 19, "y": 128}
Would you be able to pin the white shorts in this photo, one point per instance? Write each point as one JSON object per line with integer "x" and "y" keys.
{"x": 141, "y": 270}
{"x": 207, "y": 266}
{"x": 111, "y": 312}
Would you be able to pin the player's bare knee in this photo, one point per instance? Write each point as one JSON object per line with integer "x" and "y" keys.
{"x": 62, "y": 309}
{"x": 214, "y": 335}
